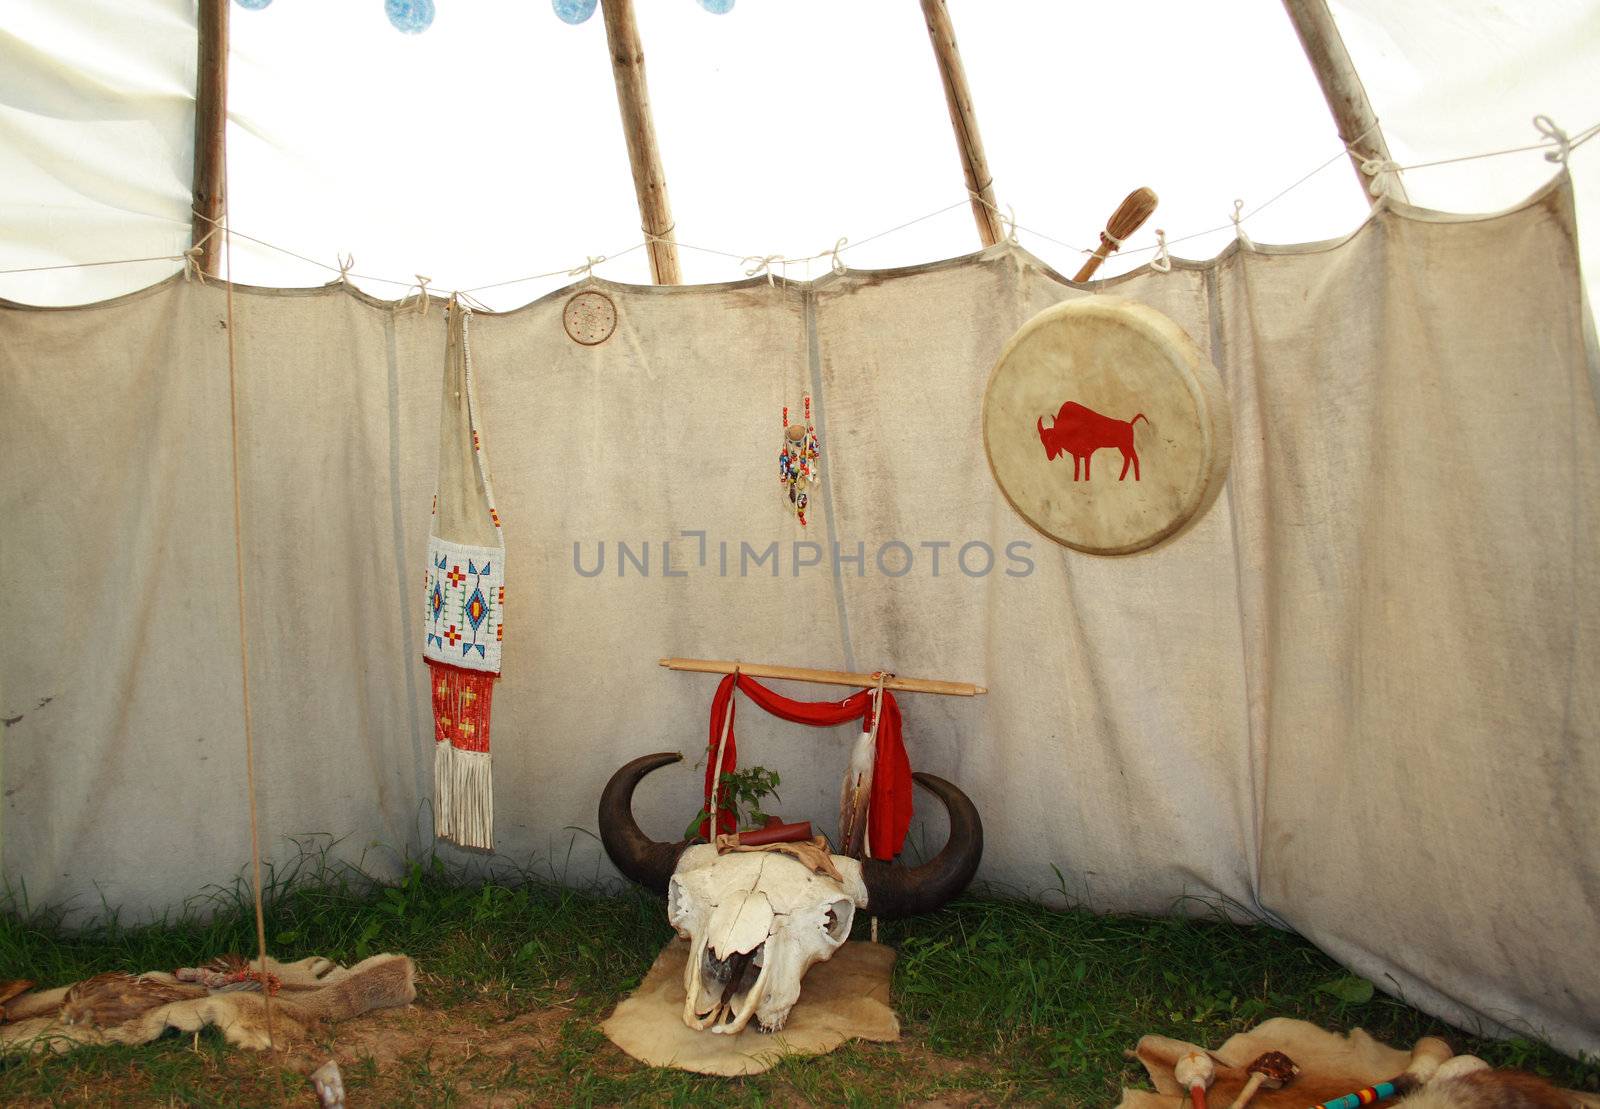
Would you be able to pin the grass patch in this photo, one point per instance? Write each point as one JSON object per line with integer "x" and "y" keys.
{"x": 1001, "y": 1001}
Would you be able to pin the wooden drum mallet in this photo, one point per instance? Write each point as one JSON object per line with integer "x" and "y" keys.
{"x": 1195, "y": 1071}
{"x": 1272, "y": 1069}
{"x": 1128, "y": 218}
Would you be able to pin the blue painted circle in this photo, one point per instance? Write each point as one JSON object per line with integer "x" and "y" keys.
{"x": 717, "y": 7}
{"x": 253, "y": 5}
{"x": 411, "y": 16}
{"x": 573, "y": 11}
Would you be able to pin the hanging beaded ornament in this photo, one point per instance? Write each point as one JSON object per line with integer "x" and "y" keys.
{"x": 797, "y": 462}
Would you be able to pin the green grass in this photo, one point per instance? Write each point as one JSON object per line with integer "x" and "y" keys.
{"x": 1001, "y": 1001}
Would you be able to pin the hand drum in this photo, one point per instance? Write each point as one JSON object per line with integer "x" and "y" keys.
{"x": 1106, "y": 426}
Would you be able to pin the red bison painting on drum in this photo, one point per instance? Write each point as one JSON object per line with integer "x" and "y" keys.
{"x": 1081, "y": 431}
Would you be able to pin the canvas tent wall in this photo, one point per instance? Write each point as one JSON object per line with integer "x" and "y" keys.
{"x": 1357, "y": 674}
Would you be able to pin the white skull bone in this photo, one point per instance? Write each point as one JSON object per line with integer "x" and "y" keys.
{"x": 767, "y": 913}
{"x": 756, "y": 922}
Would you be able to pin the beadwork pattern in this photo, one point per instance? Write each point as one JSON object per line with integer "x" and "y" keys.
{"x": 798, "y": 470}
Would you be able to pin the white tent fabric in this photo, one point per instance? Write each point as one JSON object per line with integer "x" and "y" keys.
{"x": 1358, "y": 695}
{"x": 489, "y": 147}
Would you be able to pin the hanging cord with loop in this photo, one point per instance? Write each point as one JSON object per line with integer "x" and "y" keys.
{"x": 1009, "y": 222}
{"x": 1238, "y": 229}
{"x": 422, "y": 299}
{"x": 1162, "y": 262}
{"x": 470, "y": 301}
{"x": 716, "y": 775}
{"x": 193, "y": 270}
{"x": 763, "y": 265}
{"x": 1546, "y": 127}
{"x": 877, "y": 714}
{"x": 836, "y": 263}
{"x": 1375, "y": 168}
{"x": 1371, "y": 165}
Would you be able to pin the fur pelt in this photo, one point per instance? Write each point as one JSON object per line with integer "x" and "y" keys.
{"x": 128, "y": 1009}
{"x": 1490, "y": 1089}
{"x": 1333, "y": 1065}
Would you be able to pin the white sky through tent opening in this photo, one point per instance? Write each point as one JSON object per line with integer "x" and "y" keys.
{"x": 489, "y": 147}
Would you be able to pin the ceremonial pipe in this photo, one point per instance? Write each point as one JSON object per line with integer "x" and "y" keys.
{"x": 1368, "y": 1096}
{"x": 1128, "y": 218}
{"x": 823, "y": 677}
{"x": 1426, "y": 1056}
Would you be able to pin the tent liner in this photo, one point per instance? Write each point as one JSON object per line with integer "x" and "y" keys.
{"x": 1386, "y": 206}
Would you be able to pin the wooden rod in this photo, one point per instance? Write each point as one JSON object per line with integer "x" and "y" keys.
{"x": 980, "y": 184}
{"x": 210, "y": 117}
{"x": 639, "y": 129}
{"x": 1346, "y": 96}
{"x": 823, "y": 677}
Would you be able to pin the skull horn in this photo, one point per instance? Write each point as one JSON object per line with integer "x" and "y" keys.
{"x": 895, "y": 891}
{"x": 646, "y": 861}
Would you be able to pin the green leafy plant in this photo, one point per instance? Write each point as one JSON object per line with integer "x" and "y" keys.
{"x": 1348, "y": 989}
{"x": 740, "y": 796}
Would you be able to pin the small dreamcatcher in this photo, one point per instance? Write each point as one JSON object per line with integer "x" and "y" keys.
{"x": 797, "y": 463}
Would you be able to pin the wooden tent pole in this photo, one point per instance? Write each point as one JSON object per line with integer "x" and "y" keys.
{"x": 980, "y": 185}
{"x": 210, "y": 117}
{"x": 1342, "y": 88}
{"x": 649, "y": 180}
{"x": 823, "y": 677}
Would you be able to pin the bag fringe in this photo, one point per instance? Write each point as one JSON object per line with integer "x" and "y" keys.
{"x": 470, "y": 803}
{"x": 443, "y": 759}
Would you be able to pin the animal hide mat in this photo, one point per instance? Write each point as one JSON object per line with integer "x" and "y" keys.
{"x": 846, "y": 997}
{"x": 312, "y": 990}
{"x": 1331, "y": 1065}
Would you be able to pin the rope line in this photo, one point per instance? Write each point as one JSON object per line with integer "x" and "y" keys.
{"x": 91, "y": 265}
{"x": 1558, "y": 147}
{"x": 244, "y": 643}
{"x": 585, "y": 270}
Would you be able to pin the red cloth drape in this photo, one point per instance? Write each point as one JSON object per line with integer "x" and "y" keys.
{"x": 889, "y": 814}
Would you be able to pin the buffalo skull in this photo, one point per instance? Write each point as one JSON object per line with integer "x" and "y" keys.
{"x": 757, "y": 921}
